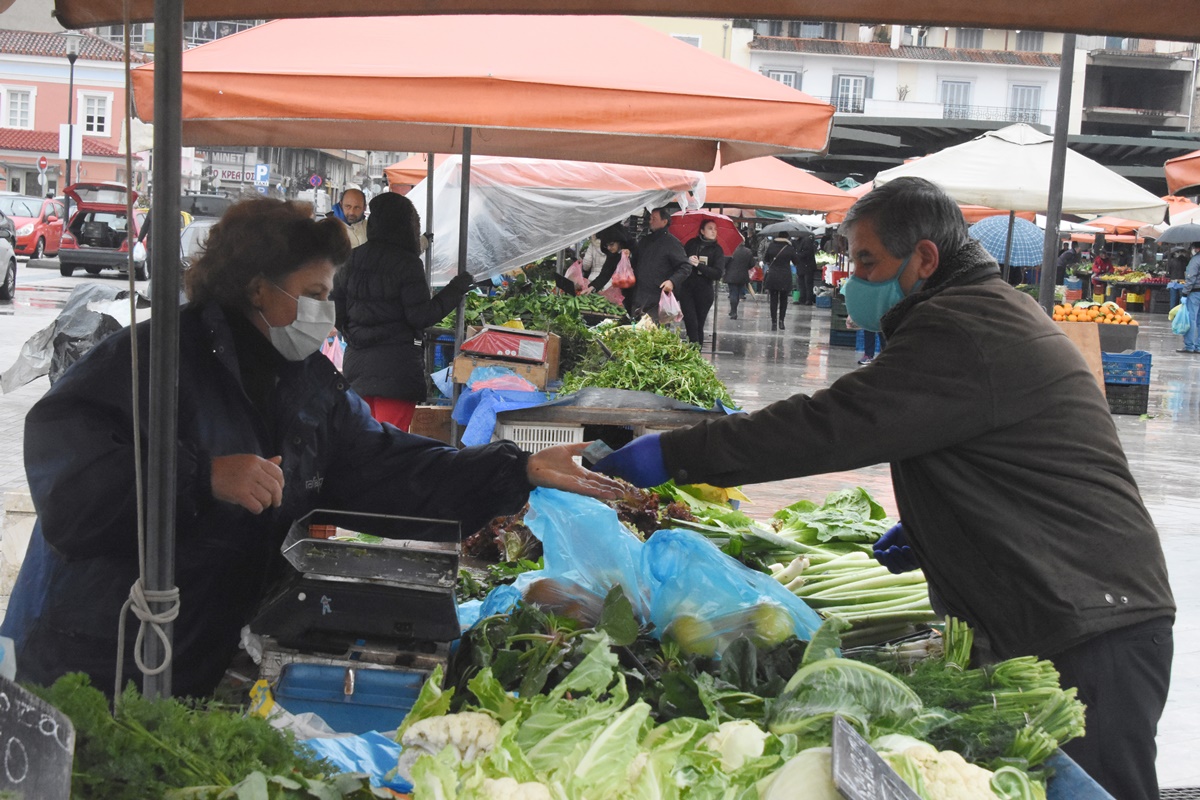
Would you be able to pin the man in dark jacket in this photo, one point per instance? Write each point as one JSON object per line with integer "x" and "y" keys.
{"x": 1000, "y": 440}
{"x": 662, "y": 265}
{"x": 383, "y": 308}
{"x": 737, "y": 276}
{"x": 806, "y": 267}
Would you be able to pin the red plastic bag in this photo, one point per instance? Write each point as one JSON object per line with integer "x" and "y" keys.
{"x": 614, "y": 295}
{"x": 623, "y": 278}
{"x": 575, "y": 275}
{"x": 756, "y": 273}
{"x": 668, "y": 308}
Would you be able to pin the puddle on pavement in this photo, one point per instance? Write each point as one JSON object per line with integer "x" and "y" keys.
{"x": 37, "y": 296}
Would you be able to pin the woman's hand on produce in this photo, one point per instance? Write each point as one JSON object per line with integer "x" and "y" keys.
{"x": 640, "y": 462}
{"x": 249, "y": 481}
{"x": 555, "y": 468}
{"x": 667, "y": 286}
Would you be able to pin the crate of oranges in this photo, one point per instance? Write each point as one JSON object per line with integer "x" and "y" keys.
{"x": 1104, "y": 313}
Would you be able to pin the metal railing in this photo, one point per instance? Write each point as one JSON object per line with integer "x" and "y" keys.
{"x": 997, "y": 113}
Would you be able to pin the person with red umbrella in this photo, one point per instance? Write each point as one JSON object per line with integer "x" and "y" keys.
{"x": 696, "y": 294}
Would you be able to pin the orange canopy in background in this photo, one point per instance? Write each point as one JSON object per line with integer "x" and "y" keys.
{"x": 773, "y": 184}
{"x": 519, "y": 82}
{"x": 1183, "y": 172}
{"x": 1119, "y": 238}
{"x": 1113, "y": 226}
{"x": 411, "y": 171}
{"x": 1177, "y": 206}
{"x": 1145, "y": 20}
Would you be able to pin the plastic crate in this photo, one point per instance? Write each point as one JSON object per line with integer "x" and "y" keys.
{"x": 846, "y": 339}
{"x": 533, "y": 437}
{"x": 1072, "y": 295}
{"x": 371, "y": 700}
{"x": 1131, "y": 368}
{"x": 1127, "y": 398}
{"x": 824, "y": 301}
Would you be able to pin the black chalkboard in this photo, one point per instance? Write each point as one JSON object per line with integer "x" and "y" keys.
{"x": 859, "y": 773}
{"x": 37, "y": 746}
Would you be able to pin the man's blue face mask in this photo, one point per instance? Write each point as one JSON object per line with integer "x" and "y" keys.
{"x": 867, "y": 302}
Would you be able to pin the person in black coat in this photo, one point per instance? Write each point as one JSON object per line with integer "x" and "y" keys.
{"x": 806, "y": 267}
{"x": 780, "y": 257}
{"x": 661, "y": 265}
{"x": 737, "y": 275}
{"x": 613, "y": 241}
{"x": 696, "y": 294}
{"x": 383, "y": 308}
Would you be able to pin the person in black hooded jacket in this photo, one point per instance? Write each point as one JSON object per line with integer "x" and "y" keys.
{"x": 383, "y": 307}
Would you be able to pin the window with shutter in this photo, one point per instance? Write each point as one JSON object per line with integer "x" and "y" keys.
{"x": 786, "y": 77}
{"x": 1025, "y": 104}
{"x": 969, "y": 38}
{"x": 956, "y": 99}
{"x": 849, "y": 92}
{"x": 1029, "y": 41}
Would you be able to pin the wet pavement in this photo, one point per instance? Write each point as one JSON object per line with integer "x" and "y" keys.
{"x": 760, "y": 367}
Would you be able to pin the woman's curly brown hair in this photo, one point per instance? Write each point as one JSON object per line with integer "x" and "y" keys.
{"x": 271, "y": 238}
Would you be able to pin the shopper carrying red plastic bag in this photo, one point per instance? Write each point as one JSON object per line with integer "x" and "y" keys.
{"x": 624, "y": 278}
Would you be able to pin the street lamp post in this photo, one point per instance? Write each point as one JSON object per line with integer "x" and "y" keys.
{"x": 74, "y": 39}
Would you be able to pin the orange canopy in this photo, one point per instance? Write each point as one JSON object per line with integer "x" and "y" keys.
{"x": 1146, "y": 20}
{"x": 411, "y": 171}
{"x": 414, "y": 83}
{"x": 773, "y": 184}
{"x": 1119, "y": 238}
{"x": 1113, "y": 226}
{"x": 1183, "y": 171}
{"x": 1178, "y": 205}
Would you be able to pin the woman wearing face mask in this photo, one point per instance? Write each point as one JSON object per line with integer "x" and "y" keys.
{"x": 383, "y": 308}
{"x": 267, "y": 431}
{"x": 696, "y": 294}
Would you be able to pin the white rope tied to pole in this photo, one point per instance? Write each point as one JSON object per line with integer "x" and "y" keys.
{"x": 139, "y": 601}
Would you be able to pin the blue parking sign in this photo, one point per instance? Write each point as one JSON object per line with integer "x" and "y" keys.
{"x": 262, "y": 174}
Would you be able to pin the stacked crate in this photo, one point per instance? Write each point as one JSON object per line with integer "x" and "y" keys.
{"x": 1127, "y": 381}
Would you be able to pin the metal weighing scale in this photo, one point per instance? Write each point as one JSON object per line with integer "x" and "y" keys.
{"x": 353, "y": 633}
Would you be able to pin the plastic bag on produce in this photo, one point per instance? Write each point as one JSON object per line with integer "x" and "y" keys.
{"x": 677, "y": 580}
{"x": 668, "y": 308}
{"x": 702, "y": 599}
{"x": 575, "y": 275}
{"x": 1182, "y": 322}
{"x": 623, "y": 277}
{"x": 614, "y": 295}
{"x": 587, "y": 552}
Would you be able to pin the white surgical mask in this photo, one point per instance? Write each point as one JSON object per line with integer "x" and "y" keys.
{"x": 305, "y": 335}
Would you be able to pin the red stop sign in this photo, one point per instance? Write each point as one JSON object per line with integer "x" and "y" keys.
{"x": 42, "y": 162}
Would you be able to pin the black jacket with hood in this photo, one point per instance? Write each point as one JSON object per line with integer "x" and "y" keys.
{"x": 1016, "y": 495}
{"x": 383, "y": 307}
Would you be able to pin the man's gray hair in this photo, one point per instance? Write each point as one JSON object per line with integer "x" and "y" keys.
{"x": 905, "y": 211}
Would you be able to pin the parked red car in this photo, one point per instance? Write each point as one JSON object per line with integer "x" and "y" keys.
{"x": 38, "y": 222}
{"x": 99, "y": 234}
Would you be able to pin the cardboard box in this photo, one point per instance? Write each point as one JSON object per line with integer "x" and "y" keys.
{"x": 537, "y": 374}
{"x": 433, "y": 422}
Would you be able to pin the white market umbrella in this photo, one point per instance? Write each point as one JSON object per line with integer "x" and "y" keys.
{"x": 1009, "y": 169}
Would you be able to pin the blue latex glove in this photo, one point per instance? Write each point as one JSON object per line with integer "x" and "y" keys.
{"x": 893, "y": 552}
{"x": 640, "y": 462}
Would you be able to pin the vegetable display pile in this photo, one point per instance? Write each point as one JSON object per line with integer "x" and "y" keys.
{"x": 648, "y": 360}
{"x": 543, "y": 705}
{"x": 168, "y": 749}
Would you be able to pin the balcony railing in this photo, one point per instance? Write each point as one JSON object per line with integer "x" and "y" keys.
{"x": 844, "y": 105}
{"x": 995, "y": 113}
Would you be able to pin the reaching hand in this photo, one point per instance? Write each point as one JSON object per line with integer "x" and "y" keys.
{"x": 555, "y": 468}
{"x": 249, "y": 481}
{"x": 892, "y": 551}
{"x": 640, "y": 462}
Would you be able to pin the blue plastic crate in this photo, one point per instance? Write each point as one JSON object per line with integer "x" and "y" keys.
{"x": 1127, "y": 368}
{"x": 823, "y": 301}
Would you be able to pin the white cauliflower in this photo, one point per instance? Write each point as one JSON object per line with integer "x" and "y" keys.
{"x": 736, "y": 741}
{"x": 948, "y": 776}
{"x": 510, "y": 789}
{"x": 472, "y": 734}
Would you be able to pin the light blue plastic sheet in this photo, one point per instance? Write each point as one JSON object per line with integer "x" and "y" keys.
{"x": 371, "y": 753}
{"x": 478, "y": 410}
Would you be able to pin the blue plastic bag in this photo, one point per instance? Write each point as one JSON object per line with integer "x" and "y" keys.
{"x": 371, "y": 753}
{"x": 677, "y": 581}
{"x": 1183, "y": 320}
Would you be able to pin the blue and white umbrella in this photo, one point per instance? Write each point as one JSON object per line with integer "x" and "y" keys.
{"x": 1028, "y": 239}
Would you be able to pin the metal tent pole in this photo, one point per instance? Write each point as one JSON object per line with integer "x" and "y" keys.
{"x": 429, "y": 219}
{"x": 164, "y": 329}
{"x": 1012, "y": 221}
{"x": 464, "y": 215}
{"x": 1058, "y": 171}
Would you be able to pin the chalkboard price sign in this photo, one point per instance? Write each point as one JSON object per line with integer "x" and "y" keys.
{"x": 859, "y": 773}
{"x": 37, "y": 746}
